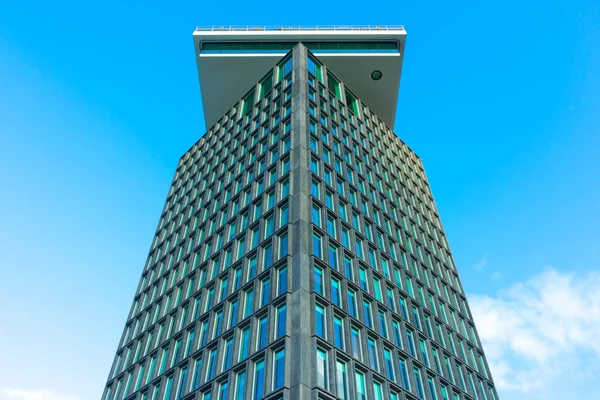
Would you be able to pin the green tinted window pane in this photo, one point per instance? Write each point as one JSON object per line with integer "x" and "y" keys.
{"x": 284, "y": 47}
{"x": 315, "y": 68}
{"x": 334, "y": 86}
{"x": 247, "y": 103}
{"x": 352, "y": 103}
{"x": 286, "y": 67}
{"x": 328, "y": 46}
{"x": 266, "y": 85}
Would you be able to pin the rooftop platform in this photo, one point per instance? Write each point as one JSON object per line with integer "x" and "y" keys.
{"x": 232, "y": 59}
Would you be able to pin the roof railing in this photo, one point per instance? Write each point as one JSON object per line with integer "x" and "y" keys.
{"x": 302, "y": 28}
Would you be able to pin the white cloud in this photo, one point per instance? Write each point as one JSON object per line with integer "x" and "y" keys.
{"x": 35, "y": 394}
{"x": 542, "y": 336}
{"x": 479, "y": 265}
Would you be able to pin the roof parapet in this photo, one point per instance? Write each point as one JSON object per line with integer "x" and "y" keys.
{"x": 303, "y": 28}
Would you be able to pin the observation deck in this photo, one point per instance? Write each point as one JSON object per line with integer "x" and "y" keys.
{"x": 366, "y": 58}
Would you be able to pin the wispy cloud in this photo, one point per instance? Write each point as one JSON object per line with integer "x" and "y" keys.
{"x": 35, "y": 394}
{"x": 479, "y": 265}
{"x": 542, "y": 336}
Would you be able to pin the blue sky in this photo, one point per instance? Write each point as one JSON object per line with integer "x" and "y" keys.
{"x": 99, "y": 99}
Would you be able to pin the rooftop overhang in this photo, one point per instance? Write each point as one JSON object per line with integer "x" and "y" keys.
{"x": 231, "y": 60}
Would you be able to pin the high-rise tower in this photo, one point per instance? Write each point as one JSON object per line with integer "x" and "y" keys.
{"x": 300, "y": 254}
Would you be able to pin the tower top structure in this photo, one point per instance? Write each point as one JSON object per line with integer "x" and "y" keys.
{"x": 367, "y": 58}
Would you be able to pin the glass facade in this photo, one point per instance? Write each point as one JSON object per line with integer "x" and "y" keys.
{"x": 283, "y": 47}
{"x": 299, "y": 247}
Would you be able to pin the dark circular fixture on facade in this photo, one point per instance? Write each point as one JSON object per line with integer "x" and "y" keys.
{"x": 376, "y": 75}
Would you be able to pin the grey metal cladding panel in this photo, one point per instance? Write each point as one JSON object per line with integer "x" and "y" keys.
{"x": 301, "y": 353}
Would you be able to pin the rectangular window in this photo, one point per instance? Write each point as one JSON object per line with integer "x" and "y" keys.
{"x": 411, "y": 343}
{"x": 283, "y": 245}
{"x": 317, "y": 248}
{"x": 382, "y": 324}
{"x": 334, "y": 85}
{"x": 320, "y": 322}
{"x": 197, "y": 371}
{"x": 316, "y": 216}
{"x": 331, "y": 231}
{"x": 328, "y": 200}
{"x": 315, "y": 189}
{"x": 404, "y": 375}
{"x": 403, "y": 310}
{"x": 265, "y": 295}
{"x": 361, "y": 392}
{"x": 343, "y": 213}
{"x": 267, "y": 257}
{"x": 322, "y": 369}
{"x": 228, "y": 353}
{"x": 373, "y": 358}
{"x": 265, "y": 86}
{"x": 432, "y": 391}
{"x": 237, "y": 280}
{"x": 168, "y": 389}
{"x": 233, "y": 313}
{"x": 314, "y": 163}
{"x": 327, "y": 176}
{"x": 244, "y": 344}
{"x": 247, "y": 104}
{"x": 212, "y": 364}
{"x": 284, "y": 215}
{"x": 359, "y": 248}
{"x": 204, "y": 333}
{"x": 282, "y": 281}
{"x": 335, "y": 292}
{"x": 263, "y": 331}
{"x": 449, "y": 373}
{"x": 252, "y": 268}
{"x": 352, "y": 303}
{"x": 285, "y": 189}
{"x": 319, "y": 281}
{"x": 333, "y": 263}
{"x": 259, "y": 379}
{"x": 280, "y": 322}
{"x": 377, "y": 390}
{"x": 249, "y": 303}
{"x": 163, "y": 361}
{"x": 436, "y": 358}
{"x": 356, "y": 344}
{"x": 284, "y": 68}
{"x": 176, "y": 352}
{"x": 338, "y": 332}
{"x": 279, "y": 369}
{"x": 423, "y": 349}
{"x": 389, "y": 365}
{"x": 269, "y": 226}
{"x": 315, "y": 68}
{"x": 390, "y": 300}
{"x": 342, "y": 380}
{"x": 362, "y": 274}
{"x": 419, "y": 383}
{"x": 348, "y": 268}
{"x": 223, "y": 390}
{"x": 368, "y": 318}
{"x": 240, "y": 386}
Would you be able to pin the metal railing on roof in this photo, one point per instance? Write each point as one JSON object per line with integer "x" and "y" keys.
{"x": 303, "y": 28}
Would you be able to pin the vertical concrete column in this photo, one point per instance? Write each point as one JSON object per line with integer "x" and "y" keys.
{"x": 300, "y": 363}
